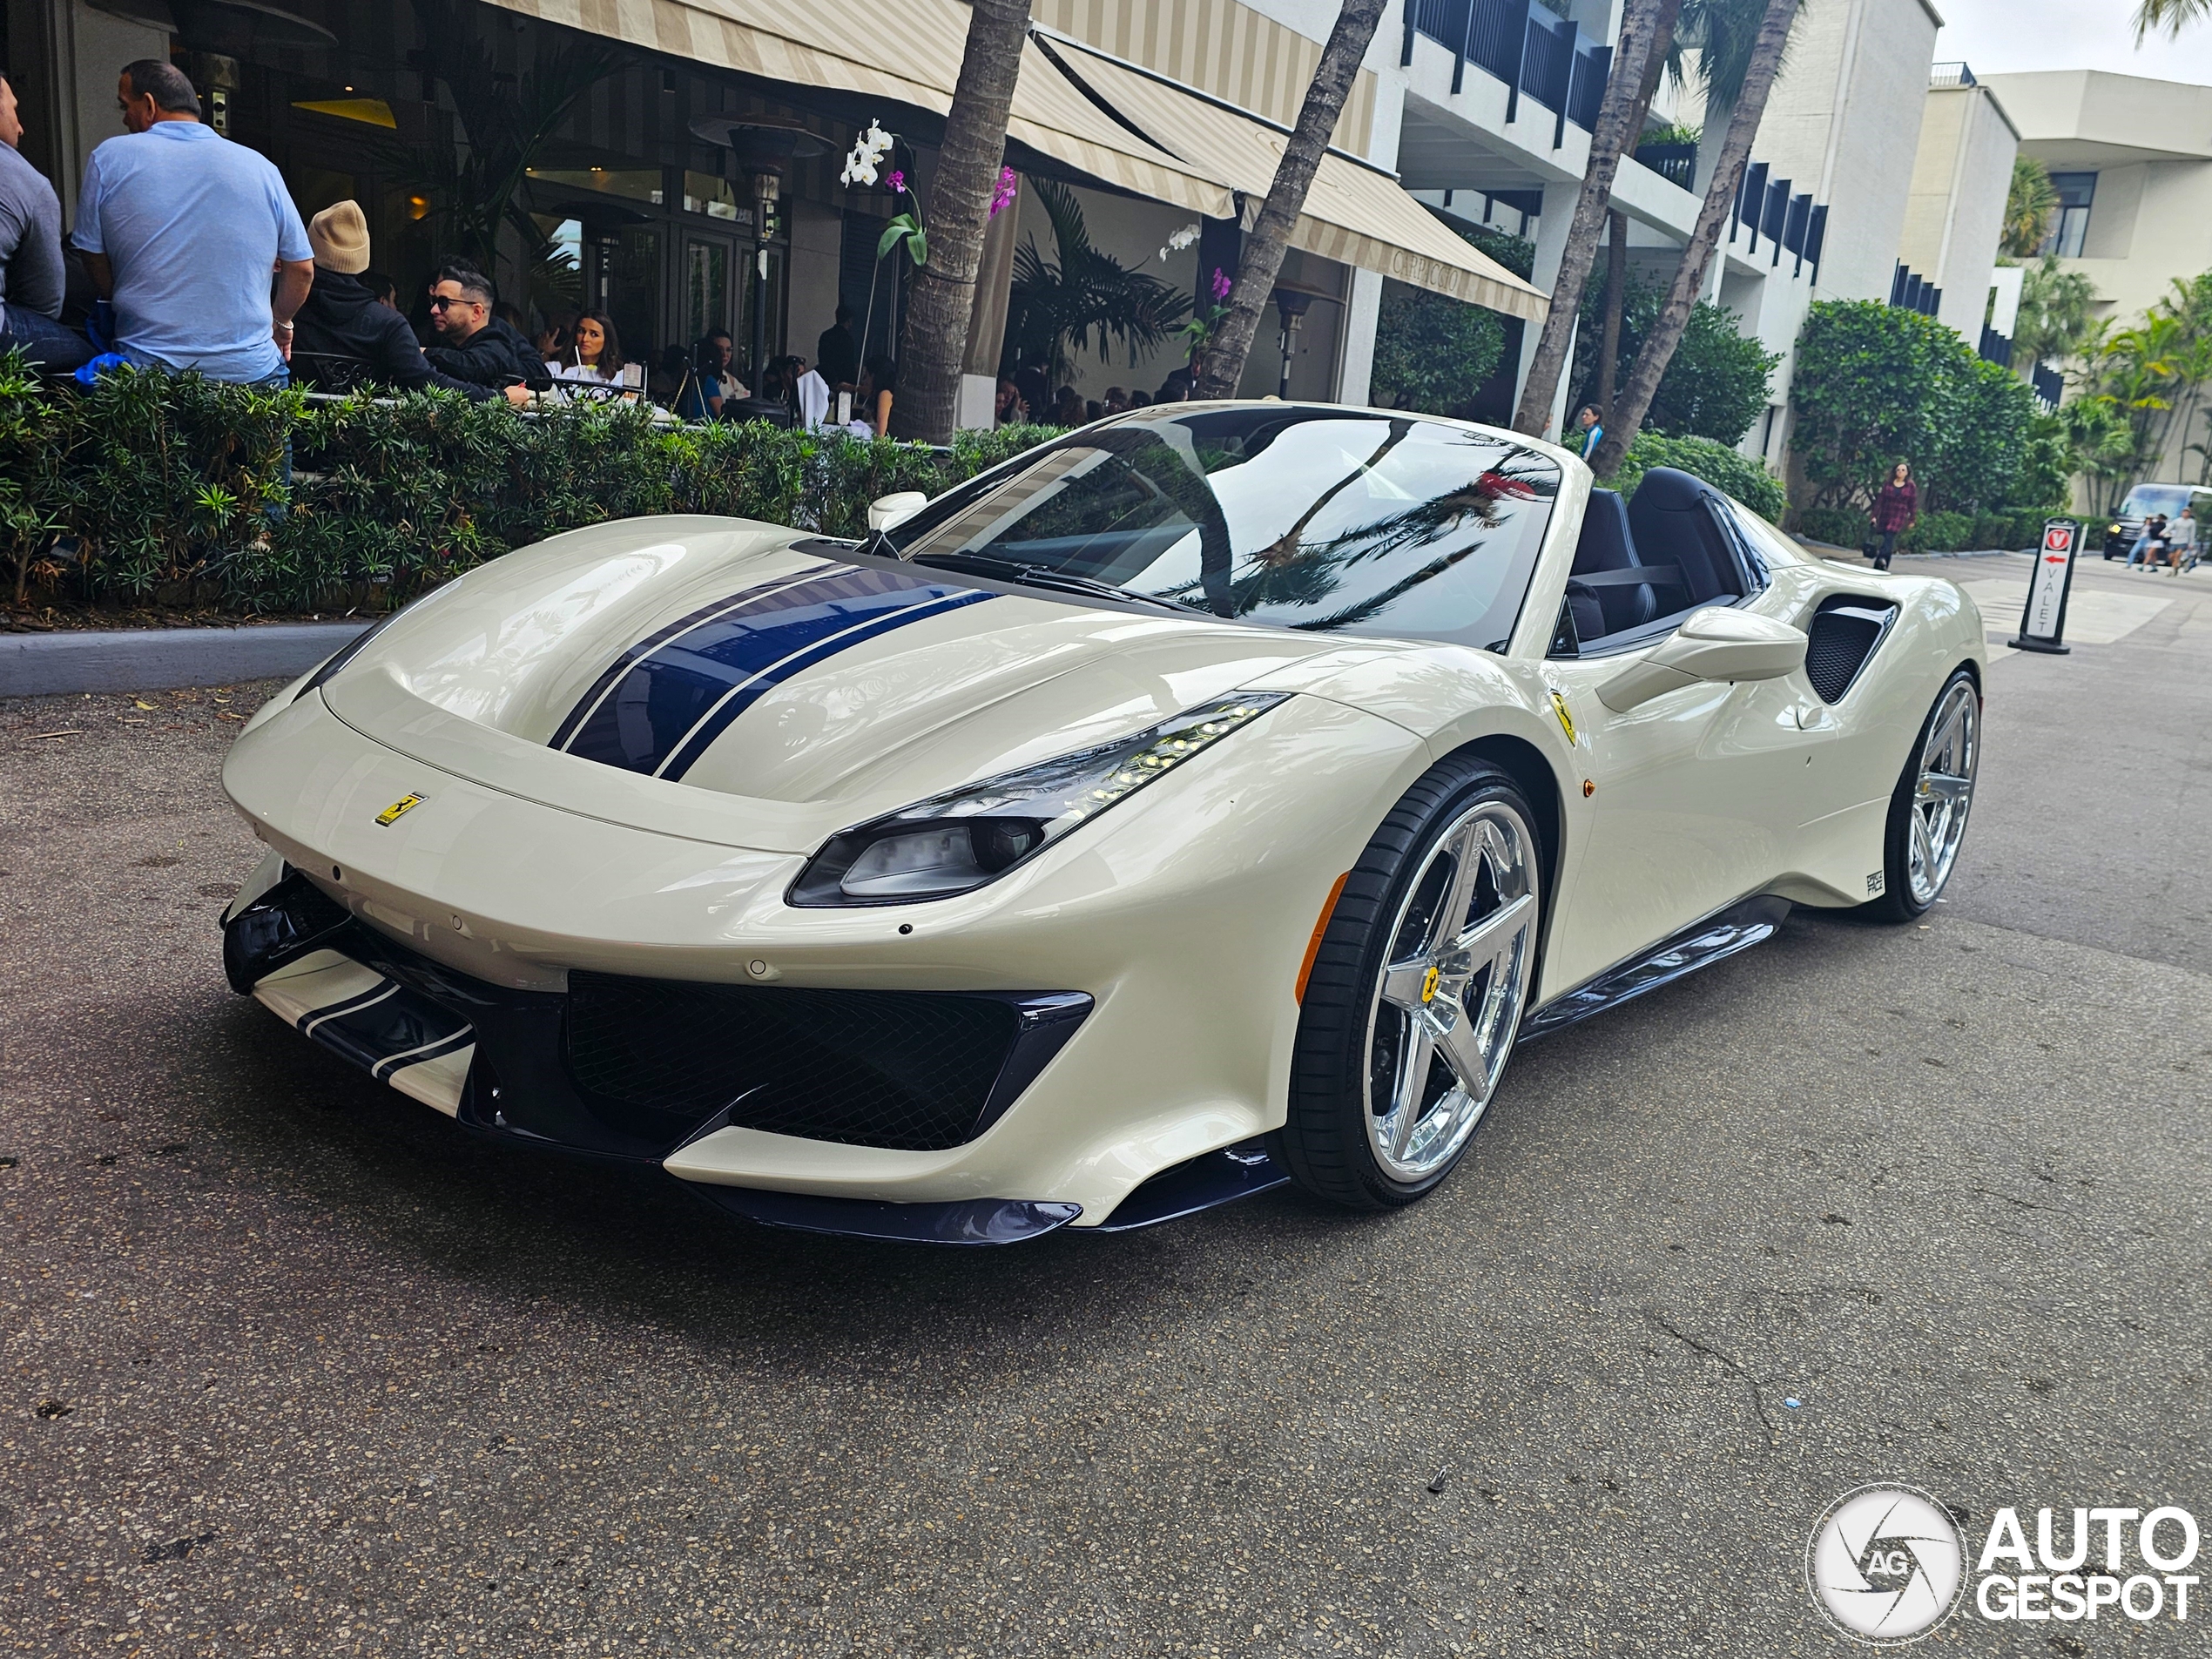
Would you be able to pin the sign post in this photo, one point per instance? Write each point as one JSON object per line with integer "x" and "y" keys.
{"x": 2043, "y": 623}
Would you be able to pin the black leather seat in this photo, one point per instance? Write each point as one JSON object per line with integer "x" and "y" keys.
{"x": 1674, "y": 520}
{"x": 1607, "y": 607}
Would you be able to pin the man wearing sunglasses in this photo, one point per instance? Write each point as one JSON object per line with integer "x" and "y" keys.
{"x": 470, "y": 343}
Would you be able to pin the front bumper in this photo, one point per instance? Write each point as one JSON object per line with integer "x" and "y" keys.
{"x": 1183, "y": 926}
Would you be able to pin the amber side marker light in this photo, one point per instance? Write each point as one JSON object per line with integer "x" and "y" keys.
{"x": 1314, "y": 945}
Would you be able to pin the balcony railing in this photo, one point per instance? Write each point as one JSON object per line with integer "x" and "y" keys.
{"x": 1913, "y": 291}
{"x": 1951, "y": 75}
{"x": 2049, "y": 386}
{"x": 1676, "y": 163}
{"x": 1996, "y": 347}
{"x": 1524, "y": 45}
{"x": 1791, "y": 224}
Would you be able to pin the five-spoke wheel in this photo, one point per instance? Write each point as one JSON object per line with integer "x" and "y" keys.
{"x": 1417, "y": 991}
{"x": 1928, "y": 821}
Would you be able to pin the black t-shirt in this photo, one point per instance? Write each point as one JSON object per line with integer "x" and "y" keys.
{"x": 837, "y": 354}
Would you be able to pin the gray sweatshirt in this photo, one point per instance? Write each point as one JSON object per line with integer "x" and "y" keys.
{"x": 30, "y": 237}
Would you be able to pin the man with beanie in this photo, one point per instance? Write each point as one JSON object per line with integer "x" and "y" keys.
{"x": 181, "y": 228}
{"x": 31, "y": 255}
{"x": 344, "y": 336}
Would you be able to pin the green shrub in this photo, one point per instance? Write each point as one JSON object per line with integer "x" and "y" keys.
{"x": 1731, "y": 473}
{"x": 1433, "y": 352}
{"x": 1939, "y": 533}
{"x": 1715, "y": 384}
{"x": 148, "y": 483}
{"x": 1875, "y": 384}
{"x": 1839, "y": 526}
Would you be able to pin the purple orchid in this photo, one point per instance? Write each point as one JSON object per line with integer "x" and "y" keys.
{"x": 1221, "y": 285}
{"x": 1002, "y": 193}
{"x": 898, "y": 183}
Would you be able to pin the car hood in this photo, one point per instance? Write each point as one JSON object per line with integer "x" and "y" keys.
{"x": 734, "y": 682}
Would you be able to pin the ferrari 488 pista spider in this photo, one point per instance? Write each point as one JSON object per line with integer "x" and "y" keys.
{"x": 1210, "y": 798}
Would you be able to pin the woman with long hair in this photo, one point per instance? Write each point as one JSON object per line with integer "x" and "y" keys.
{"x": 593, "y": 353}
{"x": 1895, "y": 509}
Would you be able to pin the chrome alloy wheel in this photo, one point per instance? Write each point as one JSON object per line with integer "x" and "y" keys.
{"x": 1445, "y": 1009}
{"x": 1944, "y": 791}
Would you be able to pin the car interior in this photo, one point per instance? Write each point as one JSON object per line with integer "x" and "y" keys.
{"x": 1645, "y": 562}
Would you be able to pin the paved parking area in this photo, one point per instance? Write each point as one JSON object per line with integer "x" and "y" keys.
{"x": 293, "y": 1367}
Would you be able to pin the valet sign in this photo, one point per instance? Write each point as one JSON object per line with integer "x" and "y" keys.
{"x": 2043, "y": 623}
{"x": 1887, "y": 1564}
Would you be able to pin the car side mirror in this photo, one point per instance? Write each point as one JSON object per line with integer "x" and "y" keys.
{"x": 885, "y": 511}
{"x": 1712, "y": 645}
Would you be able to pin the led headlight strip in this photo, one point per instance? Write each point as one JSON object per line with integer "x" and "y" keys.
{"x": 955, "y": 842}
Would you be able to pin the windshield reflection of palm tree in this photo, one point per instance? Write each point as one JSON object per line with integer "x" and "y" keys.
{"x": 1290, "y": 545}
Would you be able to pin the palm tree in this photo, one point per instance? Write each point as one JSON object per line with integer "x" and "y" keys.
{"x": 2030, "y": 206}
{"x": 1057, "y": 306}
{"x": 1261, "y": 261}
{"x": 943, "y": 295}
{"x": 2169, "y": 14}
{"x": 1763, "y": 64}
{"x": 2054, "y": 318}
{"x": 1647, "y": 37}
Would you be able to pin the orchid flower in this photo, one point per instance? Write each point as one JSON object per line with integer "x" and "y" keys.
{"x": 1002, "y": 193}
{"x": 1180, "y": 240}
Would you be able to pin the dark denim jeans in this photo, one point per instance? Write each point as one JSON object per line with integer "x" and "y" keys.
{"x": 52, "y": 346}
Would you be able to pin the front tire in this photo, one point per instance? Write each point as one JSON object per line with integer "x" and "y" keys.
{"x": 1416, "y": 992}
{"x": 1928, "y": 820}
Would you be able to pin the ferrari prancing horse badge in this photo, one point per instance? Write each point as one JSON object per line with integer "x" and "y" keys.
{"x": 398, "y": 810}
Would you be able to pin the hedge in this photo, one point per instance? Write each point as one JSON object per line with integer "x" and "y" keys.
{"x": 149, "y": 485}
{"x": 1726, "y": 470}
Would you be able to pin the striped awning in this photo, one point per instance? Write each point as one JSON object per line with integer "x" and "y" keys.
{"x": 1169, "y": 142}
{"x": 1354, "y": 214}
{"x": 909, "y": 52}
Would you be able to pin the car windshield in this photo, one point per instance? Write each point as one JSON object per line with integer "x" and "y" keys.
{"x": 2146, "y": 499}
{"x": 1363, "y": 522}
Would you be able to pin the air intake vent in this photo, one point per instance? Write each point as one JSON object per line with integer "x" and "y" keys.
{"x": 916, "y": 1071}
{"x": 1844, "y": 634}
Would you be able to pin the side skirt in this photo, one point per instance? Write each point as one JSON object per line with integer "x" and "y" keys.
{"x": 1742, "y": 925}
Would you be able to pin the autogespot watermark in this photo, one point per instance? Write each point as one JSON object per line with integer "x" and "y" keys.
{"x": 1887, "y": 1564}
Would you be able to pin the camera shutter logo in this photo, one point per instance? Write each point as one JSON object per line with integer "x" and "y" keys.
{"x": 1886, "y": 1564}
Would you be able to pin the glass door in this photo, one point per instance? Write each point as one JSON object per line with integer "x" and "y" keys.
{"x": 707, "y": 273}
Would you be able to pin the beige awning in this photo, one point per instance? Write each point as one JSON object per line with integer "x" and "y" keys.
{"x": 1352, "y": 214}
{"x": 1201, "y": 155}
{"x": 910, "y": 52}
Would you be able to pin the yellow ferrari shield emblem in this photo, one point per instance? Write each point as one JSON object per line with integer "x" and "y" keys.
{"x": 398, "y": 810}
{"x": 1566, "y": 720}
{"x": 1429, "y": 982}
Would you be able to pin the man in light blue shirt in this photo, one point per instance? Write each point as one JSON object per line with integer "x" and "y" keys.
{"x": 184, "y": 231}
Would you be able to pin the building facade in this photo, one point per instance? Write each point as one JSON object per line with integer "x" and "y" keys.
{"x": 692, "y": 181}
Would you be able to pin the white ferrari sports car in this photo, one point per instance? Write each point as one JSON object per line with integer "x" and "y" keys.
{"x": 1208, "y": 798}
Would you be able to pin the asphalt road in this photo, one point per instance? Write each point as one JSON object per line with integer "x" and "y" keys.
{"x": 291, "y": 1366}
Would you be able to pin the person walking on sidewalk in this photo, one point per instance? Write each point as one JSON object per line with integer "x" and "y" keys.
{"x": 2181, "y": 541}
{"x": 1896, "y": 510}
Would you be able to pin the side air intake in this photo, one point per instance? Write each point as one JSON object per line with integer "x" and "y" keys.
{"x": 1845, "y": 633}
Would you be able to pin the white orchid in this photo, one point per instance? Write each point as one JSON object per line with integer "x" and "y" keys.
{"x": 867, "y": 152}
{"x": 1180, "y": 240}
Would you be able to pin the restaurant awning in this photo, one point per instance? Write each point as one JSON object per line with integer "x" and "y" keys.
{"x": 1117, "y": 123}
{"x": 909, "y": 52}
{"x": 1354, "y": 214}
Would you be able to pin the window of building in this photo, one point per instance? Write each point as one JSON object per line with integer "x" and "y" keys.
{"x": 705, "y": 194}
{"x": 2072, "y": 226}
{"x": 639, "y": 184}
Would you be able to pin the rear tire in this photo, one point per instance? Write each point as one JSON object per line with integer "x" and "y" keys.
{"x": 1927, "y": 820}
{"x": 1416, "y": 993}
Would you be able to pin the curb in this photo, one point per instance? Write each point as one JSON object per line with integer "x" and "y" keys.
{"x": 155, "y": 659}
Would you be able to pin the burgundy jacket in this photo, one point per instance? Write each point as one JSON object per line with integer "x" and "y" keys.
{"x": 1896, "y": 506}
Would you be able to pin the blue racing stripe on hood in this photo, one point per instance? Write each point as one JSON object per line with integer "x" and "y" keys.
{"x": 674, "y": 696}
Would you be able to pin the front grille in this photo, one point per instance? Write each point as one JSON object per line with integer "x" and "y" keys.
{"x": 912, "y": 1071}
{"x": 1842, "y": 636}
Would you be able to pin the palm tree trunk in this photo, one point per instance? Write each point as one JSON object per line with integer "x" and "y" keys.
{"x": 1646, "y": 27}
{"x": 1617, "y": 283}
{"x": 943, "y": 295}
{"x": 1658, "y": 349}
{"x": 1261, "y": 261}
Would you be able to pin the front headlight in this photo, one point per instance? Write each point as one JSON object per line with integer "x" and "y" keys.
{"x": 953, "y": 843}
